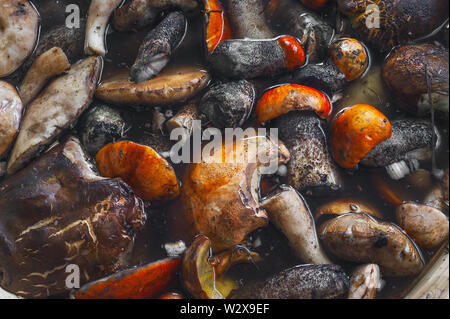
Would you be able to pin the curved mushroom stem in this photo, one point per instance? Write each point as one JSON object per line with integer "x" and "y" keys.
{"x": 98, "y": 16}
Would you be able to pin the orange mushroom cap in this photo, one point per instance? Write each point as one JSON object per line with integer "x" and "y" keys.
{"x": 314, "y": 4}
{"x": 294, "y": 54}
{"x": 147, "y": 172}
{"x": 351, "y": 57}
{"x": 217, "y": 24}
{"x": 355, "y": 131}
{"x": 290, "y": 97}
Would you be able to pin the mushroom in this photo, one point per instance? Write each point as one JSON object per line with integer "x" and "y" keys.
{"x": 248, "y": 20}
{"x": 58, "y": 212}
{"x": 301, "y": 282}
{"x": 184, "y": 120}
{"x": 97, "y": 21}
{"x": 291, "y": 97}
{"x": 311, "y": 169}
{"x": 350, "y": 56}
{"x": 57, "y": 108}
{"x": 314, "y": 33}
{"x": 361, "y": 238}
{"x": 204, "y": 274}
{"x": 217, "y": 26}
{"x": 141, "y": 167}
{"x": 49, "y": 64}
{"x": 228, "y": 105}
{"x": 100, "y": 126}
{"x": 343, "y": 206}
{"x": 405, "y": 73}
{"x": 438, "y": 195}
{"x": 144, "y": 282}
{"x": 220, "y": 194}
{"x": 427, "y": 225}
{"x": 250, "y": 58}
{"x": 158, "y": 47}
{"x": 289, "y": 212}
{"x": 173, "y": 85}
{"x": 19, "y": 24}
{"x": 365, "y": 282}
{"x": 11, "y": 108}
{"x": 355, "y": 131}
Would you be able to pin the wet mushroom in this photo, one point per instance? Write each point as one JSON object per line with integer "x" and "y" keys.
{"x": 11, "y": 108}
{"x": 220, "y": 194}
{"x": 289, "y": 212}
{"x": 427, "y": 225}
{"x": 359, "y": 237}
{"x": 217, "y": 26}
{"x": 350, "y": 56}
{"x": 19, "y": 24}
{"x": 49, "y": 64}
{"x": 365, "y": 282}
{"x": 58, "y": 107}
{"x": 97, "y": 22}
{"x": 343, "y": 206}
{"x": 58, "y": 212}
{"x": 144, "y": 282}
{"x": 147, "y": 172}
{"x": 173, "y": 85}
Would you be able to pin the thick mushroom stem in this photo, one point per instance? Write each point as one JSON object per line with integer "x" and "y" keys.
{"x": 98, "y": 16}
{"x": 288, "y": 211}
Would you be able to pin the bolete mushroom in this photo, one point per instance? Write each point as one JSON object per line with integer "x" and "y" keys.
{"x": 11, "y": 109}
{"x": 58, "y": 212}
{"x": 343, "y": 206}
{"x": 217, "y": 26}
{"x": 350, "y": 56}
{"x": 220, "y": 195}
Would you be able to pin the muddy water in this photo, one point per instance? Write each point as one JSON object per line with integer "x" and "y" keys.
{"x": 164, "y": 221}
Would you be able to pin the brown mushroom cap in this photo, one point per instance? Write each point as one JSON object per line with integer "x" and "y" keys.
{"x": 10, "y": 115}
{"x": 346, "y": 205}
{"x": 173, "y": 85}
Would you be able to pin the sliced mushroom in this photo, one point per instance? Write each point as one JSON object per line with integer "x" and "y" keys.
{"x": 343, "y": 206}
{"x": 144, "y": 282}
{"x": 311, "y": 168}
{"x": 301, "y": 282}
{"x": 49, "y": 64}
{"x": 11, "y": 108}
{"x": 361, "y": 238}
{"x": 220, "y": 194}
{"x": 57, "y": 212}
{"x": 158, "y": 46}
{"x": 248, "y": 20}
{"x": 289, "y": 212}
{"x": 57, "y": 108}
{"x": 97, "y": 21}
{"x": 365, "y": 282}
{"x": 19, "y": 24}
{"x": 173, "y": 85}
{"x": 427, "y": 225}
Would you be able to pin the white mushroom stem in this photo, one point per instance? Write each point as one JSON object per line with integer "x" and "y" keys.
{"x": 289, "y": 213}
{"x": 19, "y": 23}
{"x": 46, "y": 66}
{"x": 98, "y": 16}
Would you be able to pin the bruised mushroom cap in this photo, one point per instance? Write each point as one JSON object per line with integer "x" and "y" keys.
{"x": 355, "y": 131}
{"x": 290, "y": 97}
{"x": 351, "y": 57}
{"x": 173, "y": 85}
{"x": 146, "y": 171}
{"x": 346, "y": 205}
{"x": 220, "y": 195}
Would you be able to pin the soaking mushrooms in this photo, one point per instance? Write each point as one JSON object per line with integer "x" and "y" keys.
{"x": 217, "y": 26}
{"x": 11, "y": 108}
{"x": 57, "y": 212}
{"x": 289, "y": 212}
{"x": 19, "y": 24}
{"x": 365, "y": 282}
{"x": 343, "y": 206}
{"x": 220, "y": 194}
{"x": 98, "y": 16}
{"x": 57, "y": 108}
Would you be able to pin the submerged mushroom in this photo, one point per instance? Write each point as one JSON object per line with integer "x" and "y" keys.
{"x": 57, "y": 212}
{"x": 97, "y": 21}
{"x": 58, "y": 107}
{"x": 19, "y": 24}
{"x": 361, "y": 238}
{"x": 220, "y": 194}
{"x": 365, "y": 282}
{"x": 350, "y": 56}
{"x": 11, "y": 108}
{"x": 49, "y": 64}
{"x": 173, "y": 85}
{"x": 146, "y": 171}
{"x": 427, "y": 225}
{"x": 343, "y": 206}
{"x": 289, "y": 212}
{"x": 217, "y": 26}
